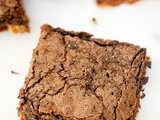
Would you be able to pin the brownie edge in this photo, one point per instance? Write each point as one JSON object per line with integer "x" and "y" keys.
{"x": 74, "y": 76}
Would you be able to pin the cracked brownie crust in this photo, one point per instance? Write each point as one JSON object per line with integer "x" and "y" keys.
{"x": 12, "y": 16}
{"x": 114, "y": 2}
{"x": 76, "y": 77}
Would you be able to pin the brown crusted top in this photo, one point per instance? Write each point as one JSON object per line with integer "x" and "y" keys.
{"x": 76, "y": 77}
{"x": 114, "y": 2}
{"x": 13, "y": 14}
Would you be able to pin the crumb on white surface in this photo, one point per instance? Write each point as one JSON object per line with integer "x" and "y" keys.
{"x": 94, "y": 21}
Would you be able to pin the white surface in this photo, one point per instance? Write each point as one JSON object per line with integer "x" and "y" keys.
{"x": 138, "y": 24}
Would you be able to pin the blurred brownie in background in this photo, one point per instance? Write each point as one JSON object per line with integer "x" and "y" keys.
{"x": 13, "y": 17}
{"x": 105, "y": 3}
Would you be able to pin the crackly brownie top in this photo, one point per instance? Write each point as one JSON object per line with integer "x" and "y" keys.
{"x": 12, "y": 12}
{"x": 76, "y": 77}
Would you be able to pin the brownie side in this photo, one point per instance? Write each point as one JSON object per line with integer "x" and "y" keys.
{"x": 76, "y": 77}
{"x": 13, "y": 17}
{"x": 105, "y": 3}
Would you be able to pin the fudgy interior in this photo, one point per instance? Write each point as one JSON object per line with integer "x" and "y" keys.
{"x": 76, "y": 77}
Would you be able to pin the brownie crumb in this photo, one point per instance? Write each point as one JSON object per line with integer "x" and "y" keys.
{"x": 14, "y": 72}
{"x": 142, "y": 94}
{"x": 149, "y": 63}
{"x": 94, "y": 21}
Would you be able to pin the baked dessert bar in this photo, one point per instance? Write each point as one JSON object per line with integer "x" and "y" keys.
{"x": 12, "y": 16}
{"x": 76, "y": 77}
{"x": 114, "y": 2}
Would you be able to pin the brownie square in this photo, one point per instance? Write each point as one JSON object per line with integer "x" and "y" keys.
{"x": 74, "y": 76}
{"x": 12, "y": 16}
{"x": 114, "y": 2}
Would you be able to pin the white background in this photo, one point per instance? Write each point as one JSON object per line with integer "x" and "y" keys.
{"x": 138, "y": 24}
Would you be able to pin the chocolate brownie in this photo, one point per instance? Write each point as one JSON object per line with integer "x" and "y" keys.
{"x": 12, "y": 16}
{"x": 114, "y": 2}
{"x": 74, "y": 76}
